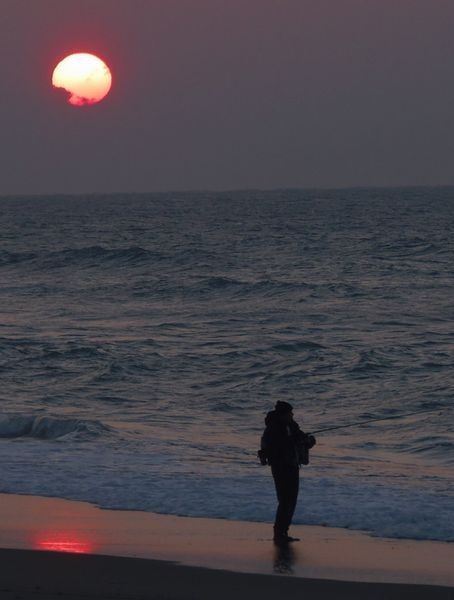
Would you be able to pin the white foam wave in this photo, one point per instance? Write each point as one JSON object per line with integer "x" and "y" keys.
{"x": 48, "y": 428}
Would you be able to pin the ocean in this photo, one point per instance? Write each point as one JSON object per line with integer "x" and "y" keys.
{"x": 145, "y": 336}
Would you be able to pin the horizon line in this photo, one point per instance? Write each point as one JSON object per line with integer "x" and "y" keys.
{"x": 229, "y": 190}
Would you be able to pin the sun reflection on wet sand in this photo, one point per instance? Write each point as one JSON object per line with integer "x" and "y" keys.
{"x": 63, "y": 542}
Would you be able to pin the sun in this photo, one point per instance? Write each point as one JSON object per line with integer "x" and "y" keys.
{"x": 85, "y": 77}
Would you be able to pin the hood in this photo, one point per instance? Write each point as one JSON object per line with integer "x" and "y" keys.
{"x": 272, "y": 419}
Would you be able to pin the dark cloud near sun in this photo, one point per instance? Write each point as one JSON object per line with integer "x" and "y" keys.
{"x": 229, "y": 93}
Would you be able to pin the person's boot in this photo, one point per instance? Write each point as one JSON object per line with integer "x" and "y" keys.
{"x": 289, "y": 538}
{"x": 283, "y": 537}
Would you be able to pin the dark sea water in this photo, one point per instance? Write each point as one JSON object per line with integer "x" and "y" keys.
{"x": 144, "y": 337}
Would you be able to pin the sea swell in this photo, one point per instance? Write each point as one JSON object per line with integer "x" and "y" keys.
{"x": 84, "y": 257}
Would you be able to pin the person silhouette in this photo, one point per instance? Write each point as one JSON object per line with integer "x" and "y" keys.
{"x": 284, "y": 446}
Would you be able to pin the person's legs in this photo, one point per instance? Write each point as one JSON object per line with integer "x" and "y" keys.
{"x": 280, "y": 484}
{"x": 293, "y": 488}
{"x": 286, "y": 481}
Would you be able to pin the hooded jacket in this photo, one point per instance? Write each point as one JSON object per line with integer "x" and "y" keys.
{"x": 284, "y": 444}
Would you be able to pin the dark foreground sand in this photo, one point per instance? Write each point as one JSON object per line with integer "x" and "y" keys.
{"x": 31, "y": 575}
{"x": 73, "y": 550}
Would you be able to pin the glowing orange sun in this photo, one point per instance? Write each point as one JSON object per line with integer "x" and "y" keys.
{"x": 85, "y": 77}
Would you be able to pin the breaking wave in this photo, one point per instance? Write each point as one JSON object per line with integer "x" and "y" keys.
{"x": 49, "y": 428}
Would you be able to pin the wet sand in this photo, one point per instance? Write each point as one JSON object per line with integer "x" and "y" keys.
{"x": 56, "y": 547}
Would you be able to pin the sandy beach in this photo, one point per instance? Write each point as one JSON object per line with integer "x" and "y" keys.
{"x": 56, "y": 547}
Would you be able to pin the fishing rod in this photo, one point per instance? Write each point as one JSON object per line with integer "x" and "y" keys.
{"x": 305, "y": 449}
{"x": 419, "y": 412}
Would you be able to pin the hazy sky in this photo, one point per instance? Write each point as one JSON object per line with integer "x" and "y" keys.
{"x": 216, "y": 94}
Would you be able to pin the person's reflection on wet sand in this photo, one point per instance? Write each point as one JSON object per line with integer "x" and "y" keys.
{"x": 284, "y": 558}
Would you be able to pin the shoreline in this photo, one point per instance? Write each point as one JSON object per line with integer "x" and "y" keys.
{"x": 65, "y": 526}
